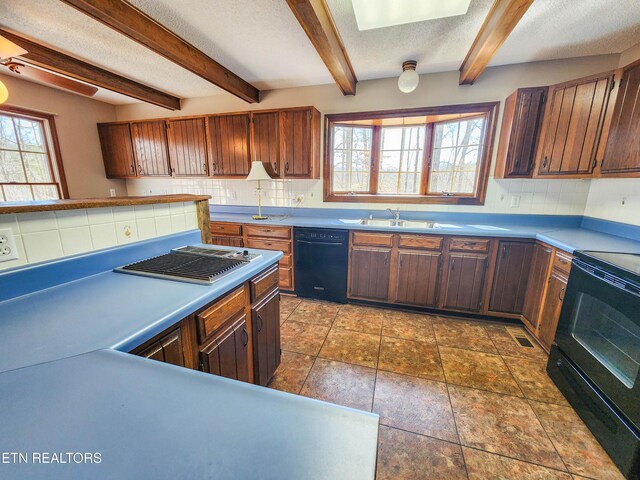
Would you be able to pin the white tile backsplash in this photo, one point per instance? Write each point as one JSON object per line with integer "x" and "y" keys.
{"x": 44, "y": 236}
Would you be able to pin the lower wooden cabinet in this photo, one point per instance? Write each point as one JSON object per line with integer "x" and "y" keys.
{"x": 265, "y": 317}
{"x": 551, "y": 306}
{"x": 536, "y": 283}
{"x": 168, "y": 348}
{"x": 369, "y": 270}
{"x": 511, "y": 275}
{"x": 465, "y": 286}
{"x": 417, "y": 278}
{"x": 227, "y": 354}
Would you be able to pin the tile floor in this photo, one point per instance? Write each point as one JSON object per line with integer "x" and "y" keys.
{"x": 457, "y": 398}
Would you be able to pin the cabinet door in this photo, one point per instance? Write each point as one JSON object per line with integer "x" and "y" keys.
{"x": 266, "y": 338}
{"x": 551, "y": 308}
{"x": 227, "y": 354}
{"x": 265, "y": 140}
{"x": 536, "y": 282}
{"x": 153, "y": 351}
{"x": 150, "y": 148}
{"x": 241, "y": 339}
{"x": 623, "y": 146}
{"x": 172, "y": 348}
{"x": 229, "y": 145}
{"x": 369, "y": 273}
{"x": 417, "y": 278}
{"x": 117, "y": 150}
{"x": 521, "y": 127}
{"x": 572, "y": 126}
{"x": 464, "y": 287}
{"x": 188, "y": 147}
{"x": 296, "y": 143}
{"x": 510, "y": 277}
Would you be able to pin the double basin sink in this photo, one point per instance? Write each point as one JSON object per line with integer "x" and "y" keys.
{"x": 377, "y": 222}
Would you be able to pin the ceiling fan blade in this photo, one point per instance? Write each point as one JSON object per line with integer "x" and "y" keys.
{"x": 58, "y": 81}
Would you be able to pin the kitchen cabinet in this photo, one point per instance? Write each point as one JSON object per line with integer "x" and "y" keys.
{"x": 369, "y": 271}
{"x": 622, "y": 153}
{"x": 267, "y": 237}
{"x": 300, "y": 137}
{"x": 511, "y": 274}
{"x": 227, "y": 241}
{"x": 150, "y": 148}
{"x": 573, "y": 121}
{"x": 187, "y": 147}
{"x": 229, "y": 137}
{"x": 521, "y": 123}
{"x": 227, "y": 354}
{"x": 417, "y": 278}
{"x": 551, "y": 307}
{"x": 225, "y": 233}
{"x": 536, "y": 282}
{"x": 265, "y": 140}
{"x": 464, "y": 286}
{"x": 265, "y": 317}
{"x": 117, "y": 150}
{"x": 168, "y": 348}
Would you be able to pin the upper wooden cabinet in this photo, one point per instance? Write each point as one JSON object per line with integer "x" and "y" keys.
{"x": 187, "y": 147}
{"x": 117, "y": 150}
{"x": 622, "y": 154}
{"x": 150, "y": 148}
{"x": 287, "y": 141}
{"x": 573, "y": 122}
{"x": 521, "y": 122}
{"x": 229, "y": 154}
{"x": 265, "y": 140}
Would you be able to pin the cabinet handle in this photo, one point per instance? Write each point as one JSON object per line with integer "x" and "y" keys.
{"x": 386, "y": 259}
{"x": 173, "y": 170}
{"x": 401, "y": 261}
{"x": 544, "y": 161}
{"x": 133, "y": 168}
{"x": 453, "y": 264}
{"x": 275, "y": 168}
{"x": 213, "y": 167}
{"x": 286, "y": 167}
{"x": 260, "y": 323}
{"x": 504, "y": 251}
{"x": 204, "y": 167}
{"x": 560, "y": 294}
{"x": 245, "y": 337}
{"x": 139, "y": 168}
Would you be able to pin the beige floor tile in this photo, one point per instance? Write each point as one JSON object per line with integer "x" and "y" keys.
{"x": 532, "y": 377}
{"x": 351, "y": 347}
{"x": 360, "y": 319}
{"x": 419, "y": 359}
{"x": 314, "y": 312}
{"x": 410, "y": 326}
{"x": 302, "y": 337}
{"x": 292, "y": 372}
{"x": 484, "y": 466}
{"x": 462, "y": 334}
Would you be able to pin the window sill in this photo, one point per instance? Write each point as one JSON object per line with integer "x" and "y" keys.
{"x": 413, "y": 199}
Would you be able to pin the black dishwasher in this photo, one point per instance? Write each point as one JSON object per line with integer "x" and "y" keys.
{"x": 321, "y": 260}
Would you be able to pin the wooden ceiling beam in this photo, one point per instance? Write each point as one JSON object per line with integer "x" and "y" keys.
{"x": 58, "y": 62}
{"x": 316, "y": 20}
{"x": 501, "y": 20}
{"x": 128, "y": 20}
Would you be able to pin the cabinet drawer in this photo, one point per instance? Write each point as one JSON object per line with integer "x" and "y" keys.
{"x": 285, "y": 278}
{"x": 469, "y": 245}
{"x": 223, "y": 228}
{"x": 263, "y": 283}
{"x": 286, "y": 260}
{"x": 562, "y": 261}
{"x": 267, "y": 231}
{"x": 227, "y": 240}
{"x": 216, "y": 315}
{"x": 419, "y": 241}
{"x": 373, "y": 239}
{"x": 265, "y": 244}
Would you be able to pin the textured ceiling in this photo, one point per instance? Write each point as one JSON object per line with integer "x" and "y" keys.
{"x": 261, "y": 41}
{"x": 437, "y": 45}
{"x": 554, "y": 29}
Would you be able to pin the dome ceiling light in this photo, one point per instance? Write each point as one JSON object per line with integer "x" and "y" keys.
{"x": 408, "y": 79}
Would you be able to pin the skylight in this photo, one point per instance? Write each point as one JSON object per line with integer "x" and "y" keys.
{"x": 372, "y": 14}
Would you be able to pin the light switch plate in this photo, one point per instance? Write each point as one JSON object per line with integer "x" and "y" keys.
{"x": 515, "y": 201}
{"x": 8, "y": 249}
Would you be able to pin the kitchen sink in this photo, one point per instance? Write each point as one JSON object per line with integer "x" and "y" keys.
{"x": 376, "y": 222}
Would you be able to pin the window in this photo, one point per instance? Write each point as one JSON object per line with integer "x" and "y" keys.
{"x": 29, "y": 166}
{"x": 430, "y": 155}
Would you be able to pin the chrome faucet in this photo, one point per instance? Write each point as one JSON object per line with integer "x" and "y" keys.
{"x": 395, "y": 213}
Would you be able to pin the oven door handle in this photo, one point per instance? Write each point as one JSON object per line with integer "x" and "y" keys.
{"x": 579, "y": 265}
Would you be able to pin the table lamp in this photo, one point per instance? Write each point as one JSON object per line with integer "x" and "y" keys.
{"x": 258, "y": 173}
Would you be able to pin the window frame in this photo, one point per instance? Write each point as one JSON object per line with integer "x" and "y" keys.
{"x": 52, "y": 145}
{"x": 487, "y": 109}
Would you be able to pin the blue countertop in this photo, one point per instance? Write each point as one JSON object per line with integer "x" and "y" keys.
{"x": 65, "y": 387}
{"x": 565, "y": 233}
{"x": 149, "y": 420}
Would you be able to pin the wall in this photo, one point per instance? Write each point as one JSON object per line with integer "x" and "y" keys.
{"x": 44, "y": 236}
{"x": 536, "y": 196}
{"x": 616, "y": 199}
{"x": 76, "y": 119}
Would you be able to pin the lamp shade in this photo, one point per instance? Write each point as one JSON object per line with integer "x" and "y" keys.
{"x": 258, "y": 172}
{"x": 9, "y": 49}
{"x": 4, "y": 93}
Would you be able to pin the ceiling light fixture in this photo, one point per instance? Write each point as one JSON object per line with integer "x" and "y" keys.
{"x": 408, "y": 79}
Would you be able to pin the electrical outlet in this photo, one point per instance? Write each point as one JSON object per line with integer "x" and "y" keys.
{"x": 515, "y": 201}
{"x": 8, "y": 249}
{"x": 112, "y": 192}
